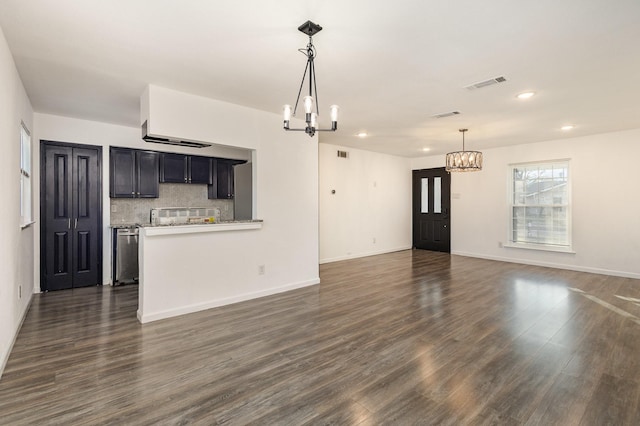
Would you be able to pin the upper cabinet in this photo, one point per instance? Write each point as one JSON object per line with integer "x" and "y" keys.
{"x": 133, "y": 173}
{"x": 222, "y": 182}
{"x": 180, "y": 168}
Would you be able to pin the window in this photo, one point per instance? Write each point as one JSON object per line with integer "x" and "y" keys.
{"x": 25, "y": 176}
{"x": 540, "y": 205}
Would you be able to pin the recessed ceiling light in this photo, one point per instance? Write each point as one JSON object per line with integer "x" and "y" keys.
{"x": 525, "y": 95}
{"x": 567, "y": 127}
{"x": 426, "y": 149}
{"x": 362, "y": 135}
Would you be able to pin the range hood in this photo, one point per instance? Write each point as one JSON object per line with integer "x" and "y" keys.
{"x": 170, "y": 141}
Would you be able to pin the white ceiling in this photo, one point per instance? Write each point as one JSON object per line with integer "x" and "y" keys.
{"x": 389, "y": 65}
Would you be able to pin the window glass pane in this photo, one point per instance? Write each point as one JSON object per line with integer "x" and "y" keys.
{"x": 540, "y": 204}
{"x": 25, "y": 176}
{"x": 425, "y": 195}
{"x": 437, "y": 195}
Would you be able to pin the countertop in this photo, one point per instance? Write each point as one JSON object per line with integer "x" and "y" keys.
{"x": 148, "y": 225}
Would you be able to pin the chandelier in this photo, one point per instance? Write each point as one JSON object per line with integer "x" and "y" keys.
{"x": 311, "y": 100}
{"x": 464, "y": 161}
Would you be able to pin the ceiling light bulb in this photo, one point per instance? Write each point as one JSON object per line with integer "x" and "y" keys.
{"x": 567, "y": 127}
{"x": 362, "y": 135}
{"x": 525, "y": 95}
{"x": 426, "y": 149}
{"x": 334, "y": 112}
{"x": 287, "y": 112}
{"x": 308, "y": 104}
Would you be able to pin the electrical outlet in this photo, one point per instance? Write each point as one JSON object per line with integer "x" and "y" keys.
{"x": 114, "y": 208}
{"x": 260, "y": 269}
{"x": 20, "y": 292}
{"x": 500, "y": 244}
{"x": 374, "y": 240}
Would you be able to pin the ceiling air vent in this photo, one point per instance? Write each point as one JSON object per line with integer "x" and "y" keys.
{"x": 343, "y": 154}
{"x": 490, "y": 82}
{"x": 446, "y": 114}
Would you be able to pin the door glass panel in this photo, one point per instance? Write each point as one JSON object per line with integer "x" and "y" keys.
{"x": 437, "y": 195}
{"x": 425, "y": 195}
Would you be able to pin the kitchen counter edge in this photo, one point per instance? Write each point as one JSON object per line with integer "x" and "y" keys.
{"x": 232, "y": 225}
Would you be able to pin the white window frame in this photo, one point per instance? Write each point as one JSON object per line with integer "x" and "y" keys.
{"x": 568, "y": 248}
{"x": 26, "y": 184}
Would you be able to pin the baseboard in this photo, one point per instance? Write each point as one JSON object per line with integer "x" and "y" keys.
{"x": 5, "y": 357}
{"x": 358, "y": 255}
{"x": 600, "y": 271}
{"x": 155, "y": 316}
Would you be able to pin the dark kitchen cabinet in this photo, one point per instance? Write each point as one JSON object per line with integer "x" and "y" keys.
{"x": 222, "y": 186}
{"x": 180, "y": 168}
{"x": 133, "y": 173}
{"x": 200, "y": 169}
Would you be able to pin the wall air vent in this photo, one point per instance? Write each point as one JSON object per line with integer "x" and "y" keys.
{"x": 343, "y": 154}
{"x": 490, "y": 82}
{"x": 446, "y": 114}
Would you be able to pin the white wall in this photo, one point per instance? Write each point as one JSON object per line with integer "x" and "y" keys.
{"x": 372, "y": 200}
{"x": 605, "y": 203}
{"x": 16, "y": 245}
{"x": 285, "y": 174}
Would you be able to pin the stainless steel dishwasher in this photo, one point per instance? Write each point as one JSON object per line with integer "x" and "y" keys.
{"x": 126, "y": 255}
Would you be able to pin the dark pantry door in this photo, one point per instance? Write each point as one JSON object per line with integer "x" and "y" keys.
{"x": 71, "y": 211}
{"x": 432, "y": 209}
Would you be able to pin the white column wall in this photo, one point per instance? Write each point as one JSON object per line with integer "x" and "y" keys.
{"x": 285, "y": 176}
{"x": 370, "y": 212}
{"x": 605, "y": 205}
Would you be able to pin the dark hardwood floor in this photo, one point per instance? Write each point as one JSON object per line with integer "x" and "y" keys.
{"x": 412, "y": 337}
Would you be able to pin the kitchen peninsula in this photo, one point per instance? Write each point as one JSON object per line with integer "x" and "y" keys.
{"x": 189, "y": 268}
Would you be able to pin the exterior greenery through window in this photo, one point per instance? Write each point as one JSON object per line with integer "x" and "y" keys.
{"x": 25, "y": 177}
{"x": 540, "y": 204}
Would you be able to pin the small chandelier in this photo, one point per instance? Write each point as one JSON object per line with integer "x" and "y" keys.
{"x": 464, "y": 161}
{"x": 311, "y": 118}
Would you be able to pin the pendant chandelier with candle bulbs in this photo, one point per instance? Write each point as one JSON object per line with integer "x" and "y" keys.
{"x": 311, "y": 100}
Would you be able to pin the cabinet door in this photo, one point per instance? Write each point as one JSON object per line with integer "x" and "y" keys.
{"x": 148, "y": 167}
{"x": 122, "y": 173}
{"x": 173, "y": 168}
{"x": 199, "y": 169}
{"x": 225, "y": 179}
{"x": 212, "y": 188}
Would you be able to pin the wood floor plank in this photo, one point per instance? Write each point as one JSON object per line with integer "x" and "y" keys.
{"x": 411, "y": 337}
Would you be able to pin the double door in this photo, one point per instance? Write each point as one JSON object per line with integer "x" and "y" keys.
{"x": 71, "y": 231}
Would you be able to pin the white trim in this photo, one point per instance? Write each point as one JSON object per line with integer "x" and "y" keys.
{"x": 366, "y": 254}
{"x": 26, "y": 225}
{"x": 192, "y": 229}
{"x": 540, "y": 247}
{"x": 600, "y": 271}
{"x": 196, "y": 307}
{"x": 5, "y": 357}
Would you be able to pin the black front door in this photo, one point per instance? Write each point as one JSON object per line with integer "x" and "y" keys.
{"x": 71, "y": 212}
{"x": 432, "y": 209}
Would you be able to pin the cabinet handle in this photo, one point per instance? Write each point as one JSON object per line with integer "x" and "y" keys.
{"x": 69, "y": 225}
{"x": 75, "y": 223}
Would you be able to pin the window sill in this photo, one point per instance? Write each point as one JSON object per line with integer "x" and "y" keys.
{"x": 540, "y": 247}
{"x": 26, "y": 225}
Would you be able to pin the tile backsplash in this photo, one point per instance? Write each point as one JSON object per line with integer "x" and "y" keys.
{"x": 137, "y": 210}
